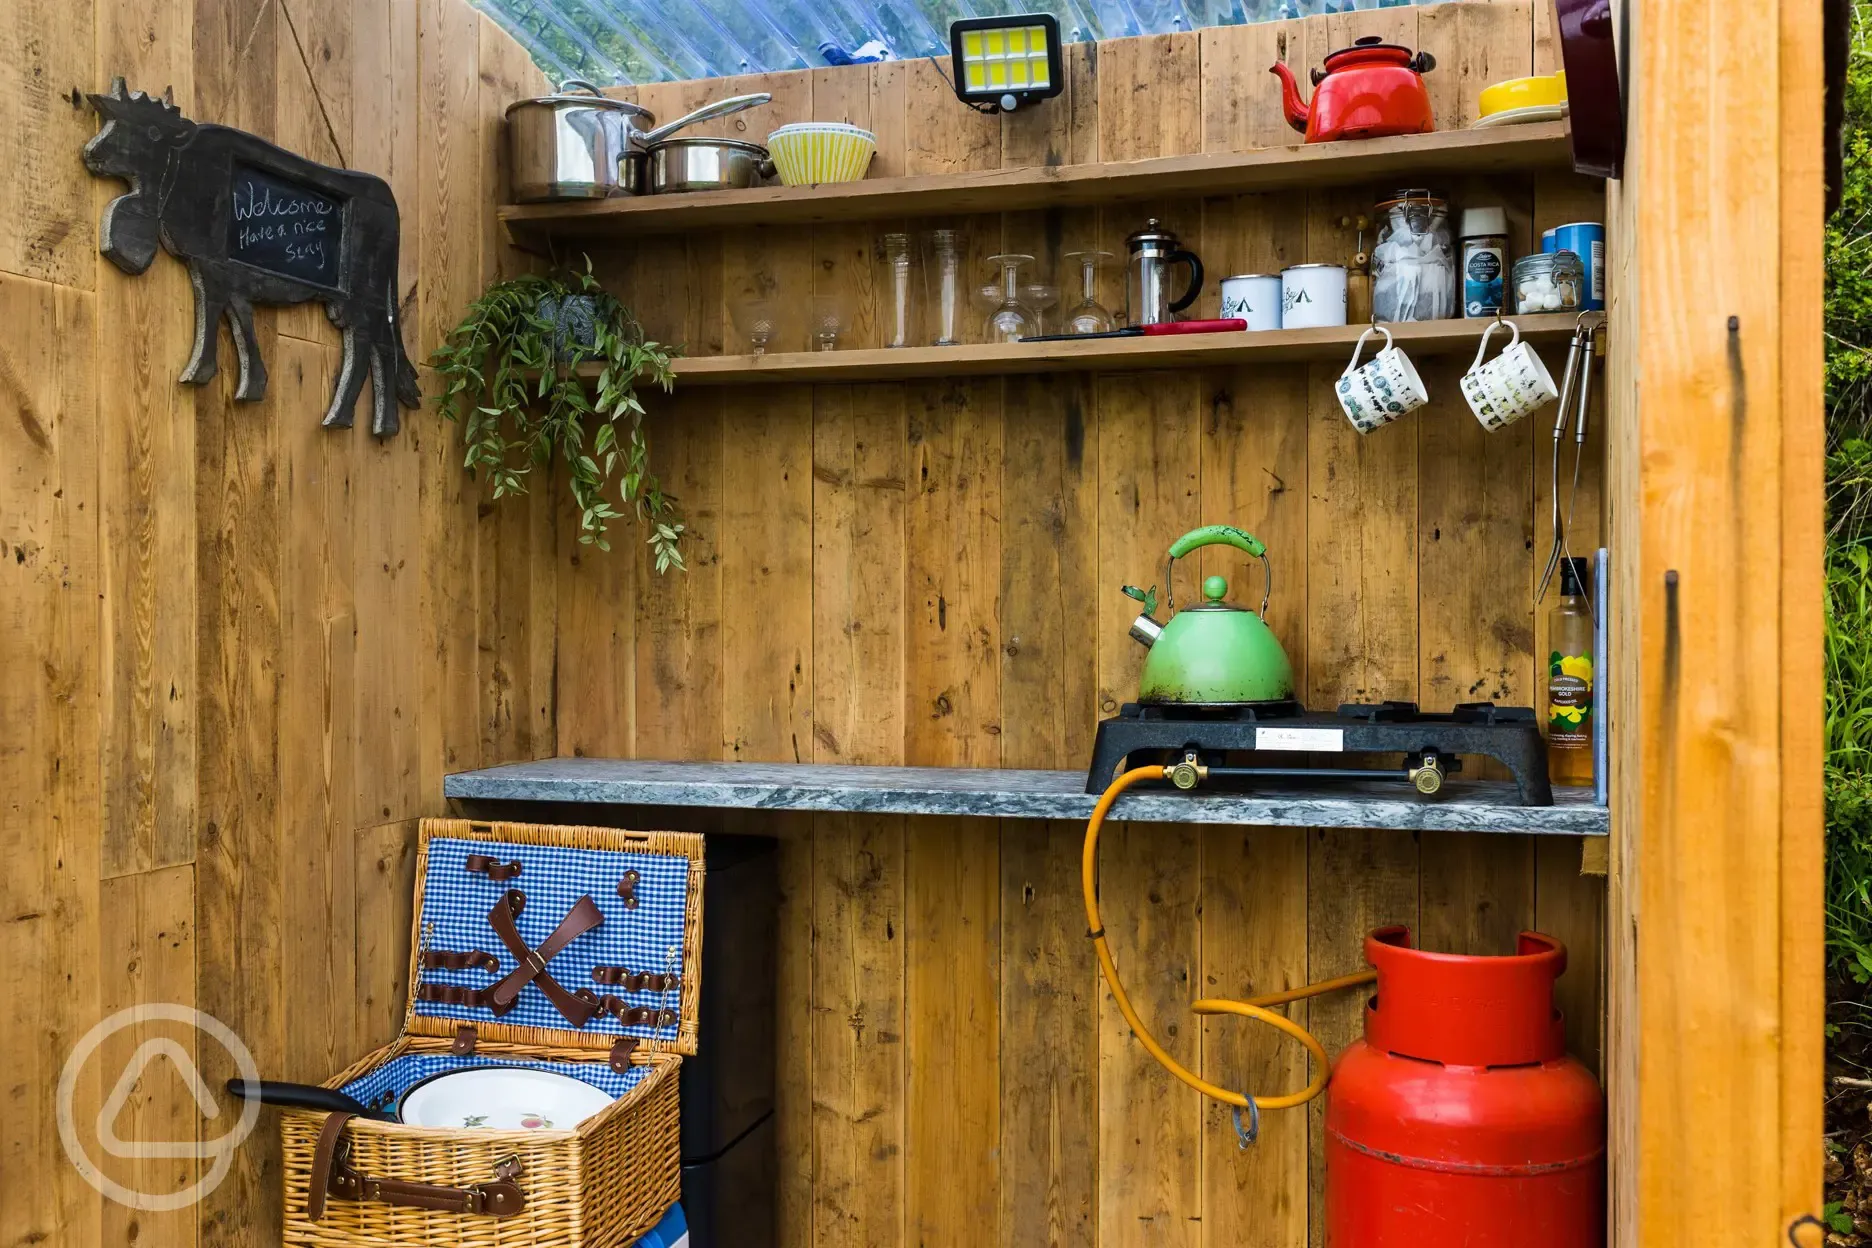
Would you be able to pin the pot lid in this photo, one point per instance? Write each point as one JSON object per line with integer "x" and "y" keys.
{"x": 1371, "y": 50}
{"x": 1153, "y": 232}
{"x": 578, "y": 91}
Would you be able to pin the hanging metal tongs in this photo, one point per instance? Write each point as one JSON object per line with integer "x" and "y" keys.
{"x": 1575, "y": 403}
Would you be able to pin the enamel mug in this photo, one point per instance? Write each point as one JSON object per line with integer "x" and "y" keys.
{"x": 1510, "y": 386}
{"x": 1313, "y": 296}
{"x": 1383, "y": 388}
{"x": 1255, "y": 298}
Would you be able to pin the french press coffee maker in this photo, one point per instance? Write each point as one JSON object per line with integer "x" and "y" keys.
{"x": 1154, "y": 251}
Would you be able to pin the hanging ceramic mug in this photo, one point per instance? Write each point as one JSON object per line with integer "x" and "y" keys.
{"x": 1510, "y": 386}
{"x": 1383, "y": 388}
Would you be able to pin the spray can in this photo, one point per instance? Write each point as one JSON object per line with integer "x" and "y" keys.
{"x": 1484, "y": 260}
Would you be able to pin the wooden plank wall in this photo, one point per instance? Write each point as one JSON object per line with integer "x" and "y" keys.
{"x": 928, "y": 574}
{"x": 237, "y": 652}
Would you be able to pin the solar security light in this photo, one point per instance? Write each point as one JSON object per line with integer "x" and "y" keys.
{"x": 1004, "y": 62}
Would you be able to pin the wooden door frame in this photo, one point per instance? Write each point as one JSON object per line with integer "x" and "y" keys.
{"x": 1716, "y": 995}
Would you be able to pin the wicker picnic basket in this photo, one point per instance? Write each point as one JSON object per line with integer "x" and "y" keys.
{"x": 352, "y": 1181}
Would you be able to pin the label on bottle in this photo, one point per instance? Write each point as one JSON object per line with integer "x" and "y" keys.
{"x": 1569, "y": 700}
{"x": 1324, "y": 740}
{"x": 1482, "y": 278}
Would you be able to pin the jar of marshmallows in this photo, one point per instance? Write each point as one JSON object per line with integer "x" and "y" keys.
{"x": 1549, "y": 281}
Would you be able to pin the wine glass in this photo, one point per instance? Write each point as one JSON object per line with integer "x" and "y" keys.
{"x": 1089, "y": 316}
{"x": 831, "y": 317}
{"x": 1011, "y": 320}
{"x": 757, "y": 320}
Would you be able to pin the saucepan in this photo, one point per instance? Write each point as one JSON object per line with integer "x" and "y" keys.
{"x": 581, "y": 144}
{"x": 494, "y": 1098}
{"x": 665, "y": 165}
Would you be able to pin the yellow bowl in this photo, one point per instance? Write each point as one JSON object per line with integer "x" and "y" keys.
{"x": 1545, "y": 90}
{"x": 812, "y": 152}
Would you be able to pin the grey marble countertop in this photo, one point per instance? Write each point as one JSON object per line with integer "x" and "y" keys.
{"x": 1478, "y": 806}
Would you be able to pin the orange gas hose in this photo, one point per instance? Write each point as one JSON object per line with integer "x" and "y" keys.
{"x": 1255, "y": 1008}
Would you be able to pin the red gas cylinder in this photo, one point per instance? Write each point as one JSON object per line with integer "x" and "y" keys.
{"x": 1459, "y": 1118}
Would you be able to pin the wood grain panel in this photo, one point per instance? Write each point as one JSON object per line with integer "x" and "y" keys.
{"x": 147, "y": 957}
{"x": 953, "y": 1031}
{"x": 50, "y": 819}
{"x": 49, "y": 232}
{"x": 858, "y": 1049}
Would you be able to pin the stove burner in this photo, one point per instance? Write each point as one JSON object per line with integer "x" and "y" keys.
{"x": 1250, "y": 742}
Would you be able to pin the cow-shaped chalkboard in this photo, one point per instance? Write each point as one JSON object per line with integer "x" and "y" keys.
{"x": 257, "y": 224}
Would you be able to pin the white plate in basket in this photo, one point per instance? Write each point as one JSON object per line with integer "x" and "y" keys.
{"x": 501, "y": 1098}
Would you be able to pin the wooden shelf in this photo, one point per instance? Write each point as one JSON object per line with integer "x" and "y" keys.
{"x": 1463, "y": 806}
{"x": 1421, "y": 339}
{"x": 1412, "y": 158}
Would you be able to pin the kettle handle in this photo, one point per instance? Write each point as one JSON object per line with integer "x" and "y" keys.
{"x": 1196, "y": 278}
{"x": 1219, "y": 535}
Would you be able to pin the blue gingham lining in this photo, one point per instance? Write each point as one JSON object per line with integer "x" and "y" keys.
{"x": 384, "y": 1087}
{"x": 648, "y": 938}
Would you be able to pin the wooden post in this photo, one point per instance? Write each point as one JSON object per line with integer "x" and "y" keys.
{"x": 1716, "y": 999}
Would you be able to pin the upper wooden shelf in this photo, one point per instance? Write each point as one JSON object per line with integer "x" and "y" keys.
{"x": 1412, "y": 158}
{"x": 1279, "y": 346}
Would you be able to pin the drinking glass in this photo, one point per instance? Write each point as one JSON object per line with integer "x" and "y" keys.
{"x": 1089, "y": 316}
{"x": 895, "y": 259}
{"x": 943, "y": 276}
{"x": 1011, "y": 320}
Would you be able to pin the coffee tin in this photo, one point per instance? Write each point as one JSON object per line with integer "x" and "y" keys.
{"x": 1313, "y": 296}
{"x": 1586, "y": 239}
{"x": 1254, "y": 297}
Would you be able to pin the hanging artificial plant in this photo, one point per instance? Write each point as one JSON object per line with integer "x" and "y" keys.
{"x": 512, "y": 368}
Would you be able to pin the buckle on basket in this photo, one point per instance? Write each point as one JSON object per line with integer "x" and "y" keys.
{"x": 583, "y": 916}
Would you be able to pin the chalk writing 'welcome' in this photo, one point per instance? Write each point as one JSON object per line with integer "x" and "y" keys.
{"x": 283, "y": 228}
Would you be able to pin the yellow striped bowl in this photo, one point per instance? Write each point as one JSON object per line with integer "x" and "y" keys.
{"x": 809, "y": 152}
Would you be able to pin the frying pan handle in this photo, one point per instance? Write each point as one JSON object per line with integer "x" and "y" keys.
{"x": 708, "y": 112}
{"x": 305, "y": 1096}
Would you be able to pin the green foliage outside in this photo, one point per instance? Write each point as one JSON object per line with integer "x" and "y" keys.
{"x": 1849, "y": 518}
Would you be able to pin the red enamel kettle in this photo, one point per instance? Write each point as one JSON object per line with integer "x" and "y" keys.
{"x": 1367, "y": 91}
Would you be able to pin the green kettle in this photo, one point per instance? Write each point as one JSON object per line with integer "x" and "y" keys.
{"x": 1214, "y": 653}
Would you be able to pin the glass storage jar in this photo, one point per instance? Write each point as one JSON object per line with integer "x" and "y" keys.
{"x": 1548, "y": 281}
{"x": 1413, "y": 266}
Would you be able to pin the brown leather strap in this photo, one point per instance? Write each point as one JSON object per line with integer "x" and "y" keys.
{"x": 626, "y": 1013}
{"x": 466, "y": 1038}
{"x": 531, "y": 967}
{"x": 332, "y": 1171}
{"x": 452, "y": 994}
{"x": 493, "y": 868}
{"x": 446, "y": 960}
{"x": 621, "y": 1052}
{"x": 322, "y": 1158}
{"x": 627, "y": 888}
{"x": 634, "y": 981}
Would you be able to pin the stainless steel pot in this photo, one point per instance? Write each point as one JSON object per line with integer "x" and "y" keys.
{"x": 706, "y": 165}
{"x": 570, "y": 145}
{"x": 581, "y": 144}
{"x": 636, "y": 176}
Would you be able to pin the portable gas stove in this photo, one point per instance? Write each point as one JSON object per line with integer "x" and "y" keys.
{"x": 1242, "y": 743}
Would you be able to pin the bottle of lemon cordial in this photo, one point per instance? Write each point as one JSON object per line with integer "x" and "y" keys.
{"x": 1570, "y": 679}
